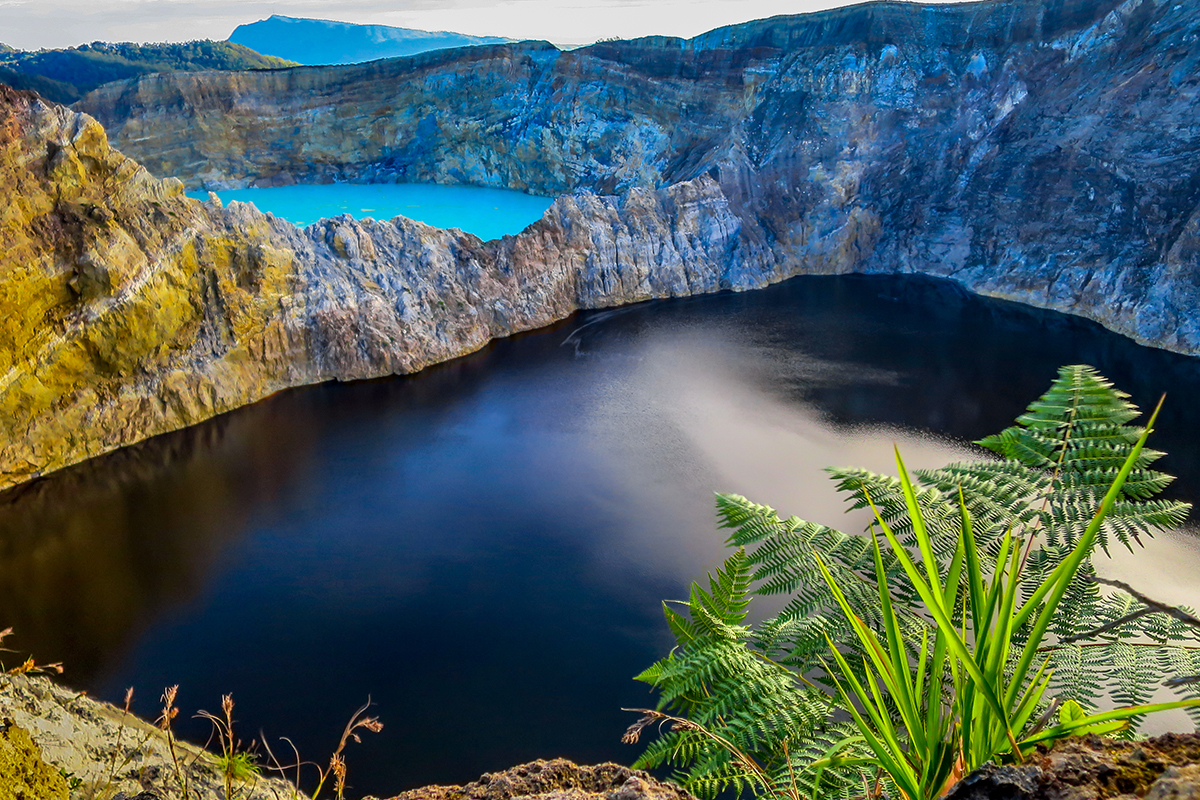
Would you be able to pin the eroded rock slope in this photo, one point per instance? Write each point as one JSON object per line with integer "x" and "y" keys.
{"x": 1040, "y": 150}
{"x": 128, "y": 309}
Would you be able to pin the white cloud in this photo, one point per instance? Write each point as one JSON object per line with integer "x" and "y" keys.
{"x": 31, "y": 24}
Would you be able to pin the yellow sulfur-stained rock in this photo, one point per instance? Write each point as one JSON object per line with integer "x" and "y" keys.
{"x": 128, "y": 309}
{"x": 23, "y": 773}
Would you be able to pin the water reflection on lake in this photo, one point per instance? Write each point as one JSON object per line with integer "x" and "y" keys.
{"x": 483, "y": 547}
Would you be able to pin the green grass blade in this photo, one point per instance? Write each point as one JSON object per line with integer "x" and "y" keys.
{"x": 1033, "y": 696}
{"x": 879, "y": 733}
{"x": 924, "y": 544}
{"x": 946, "y": 628}
{"x": 904, "y": 692}
{"x": 1120, "y": 714}
{"x": 974, "y": 571}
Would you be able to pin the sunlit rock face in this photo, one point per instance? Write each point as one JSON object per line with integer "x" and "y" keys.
{"x": 129, "y": 309}
{"x": 1038, "y": 151}
{"x": 1041, "y": 151}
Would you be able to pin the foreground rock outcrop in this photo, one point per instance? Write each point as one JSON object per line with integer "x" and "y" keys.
{"x": 49, "y": 734}
{"x": 68, "y": 741}
{"x": 1094, "y": 768}
{"x": 1038, "y": 150}
{"x": 557, "y": 779}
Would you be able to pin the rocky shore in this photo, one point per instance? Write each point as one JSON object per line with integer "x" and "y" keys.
{"x": 53, "y": 739}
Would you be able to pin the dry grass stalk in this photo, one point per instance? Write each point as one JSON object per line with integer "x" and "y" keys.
{"x": 337, "y": 762}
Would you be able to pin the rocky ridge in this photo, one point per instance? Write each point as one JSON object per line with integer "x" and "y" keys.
{"x": 1038, "y": 150}
{"x": 50, "y": 735}
{"x": 128, "y": 309}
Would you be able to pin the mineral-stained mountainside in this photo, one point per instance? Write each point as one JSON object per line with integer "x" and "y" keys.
{"x": 1038, "y": 151}
{"x": 128, "y": 309}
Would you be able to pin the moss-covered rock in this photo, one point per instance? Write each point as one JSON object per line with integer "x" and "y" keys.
{"x": 107, "y": 751}
{"x": 23, "y": 773}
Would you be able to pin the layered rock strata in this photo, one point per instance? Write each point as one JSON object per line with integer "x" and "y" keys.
{"x": 1036, "y": 151}
{"x": 1039, "y": 150}
{"x": 128, "y": 309}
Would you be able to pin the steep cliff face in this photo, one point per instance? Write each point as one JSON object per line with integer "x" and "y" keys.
{"x": 129, "y": 309}
{"x": 123, "y": 302}
{"x": 1041, "y": 151}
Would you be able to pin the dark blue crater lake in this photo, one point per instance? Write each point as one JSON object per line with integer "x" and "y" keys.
{"x": 482, "y": 548}
{"x": 487, "y": 213}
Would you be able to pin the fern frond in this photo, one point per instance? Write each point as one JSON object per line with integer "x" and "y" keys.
{"x": 761, "y": 688}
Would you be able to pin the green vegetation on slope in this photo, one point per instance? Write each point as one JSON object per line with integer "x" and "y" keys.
{"x": 46, "y": 87}
{"x": 67, "y": 75}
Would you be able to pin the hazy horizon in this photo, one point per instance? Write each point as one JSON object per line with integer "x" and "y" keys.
{"x": 36, "y": 24}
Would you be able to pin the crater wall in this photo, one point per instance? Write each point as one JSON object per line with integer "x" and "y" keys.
{"x": 1043, "y": 152}
{"x": 1038, "y": 151}
{"x": 129, "y": 309}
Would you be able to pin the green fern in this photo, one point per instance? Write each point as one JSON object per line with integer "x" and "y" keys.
{"x": 757, "y": 695}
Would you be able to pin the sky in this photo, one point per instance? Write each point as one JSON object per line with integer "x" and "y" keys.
{"x": 33, "y": 24}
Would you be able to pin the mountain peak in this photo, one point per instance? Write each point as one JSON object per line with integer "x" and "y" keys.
{"x": 320, "y": 41}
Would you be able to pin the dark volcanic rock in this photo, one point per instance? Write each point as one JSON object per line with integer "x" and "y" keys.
{"x": 1094, "y": 768}
{"x": 558, "y": 779}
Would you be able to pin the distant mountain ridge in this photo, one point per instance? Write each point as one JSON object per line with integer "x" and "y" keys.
{"x": 68, "y": 74}
{"x": 319, "y": 41}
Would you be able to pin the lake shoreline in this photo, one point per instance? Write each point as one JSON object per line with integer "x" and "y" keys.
{"x": 483, "y": 212}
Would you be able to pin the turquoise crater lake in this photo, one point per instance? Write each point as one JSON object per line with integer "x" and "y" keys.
{"x": 487, "y": 213}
